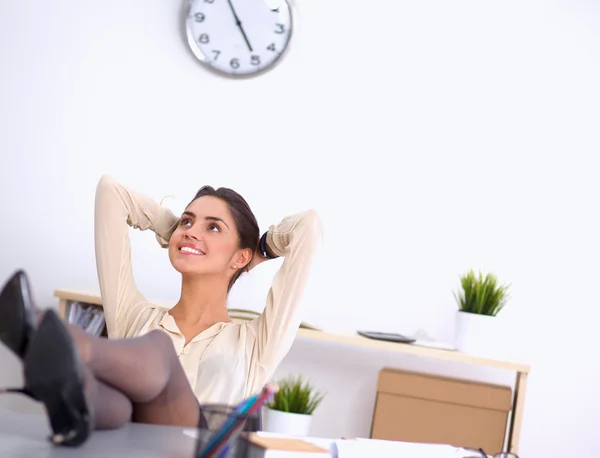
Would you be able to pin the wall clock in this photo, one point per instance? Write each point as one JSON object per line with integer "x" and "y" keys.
{"x": 239, "y": 37}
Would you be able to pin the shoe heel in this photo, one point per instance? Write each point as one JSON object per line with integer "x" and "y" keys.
{"x": 54, "y": 376}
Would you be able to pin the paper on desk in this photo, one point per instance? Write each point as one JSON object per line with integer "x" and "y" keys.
{"x": 318, "y": 441}
{"x": 360, "y": 448}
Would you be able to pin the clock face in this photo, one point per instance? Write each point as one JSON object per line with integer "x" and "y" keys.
{"x": 239, "y": 37}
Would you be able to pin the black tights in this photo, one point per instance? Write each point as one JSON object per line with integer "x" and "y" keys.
{"x": 139, "y": 379}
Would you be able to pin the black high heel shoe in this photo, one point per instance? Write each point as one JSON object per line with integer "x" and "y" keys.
{"x": 54, "y": 376}
{"x": 52, "y": 367}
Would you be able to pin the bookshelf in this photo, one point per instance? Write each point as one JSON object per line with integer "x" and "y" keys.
{"x": 83, "y": 310}
{"x": 312, "y": 333}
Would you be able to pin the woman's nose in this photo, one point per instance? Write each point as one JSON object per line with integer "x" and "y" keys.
{"x": 192, "y": 235}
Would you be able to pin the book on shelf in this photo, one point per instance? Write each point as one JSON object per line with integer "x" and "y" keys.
{"x": 89, "y": 317}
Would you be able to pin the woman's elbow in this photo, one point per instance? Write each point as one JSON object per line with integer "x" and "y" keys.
{"x": 105, "y": 183}
{"x": 311, "y": 225}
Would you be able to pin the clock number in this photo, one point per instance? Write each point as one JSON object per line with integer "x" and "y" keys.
{"x": 216, "y": 53}
{"x": 279, "y": 28}
{"x": 235, "y": 63}
{"x": 199, "y": 17}
{"x": 209, "y": 1}
{"x": 255, "y": 60}
{"x": 271, "y": 47}
{"x": 203, "y": 38}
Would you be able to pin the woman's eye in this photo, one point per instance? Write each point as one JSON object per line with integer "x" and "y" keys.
{"x": 214, "y": 228}
{"x": 185, "y": 222}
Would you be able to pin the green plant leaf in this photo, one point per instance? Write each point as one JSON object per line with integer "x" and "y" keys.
{"x": 296, "y": 396}
{"x": 481, "y": 295}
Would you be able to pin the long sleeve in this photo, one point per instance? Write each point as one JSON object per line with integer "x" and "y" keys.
{"x": 296, "y": 238}
{"x": 116, "y": 209}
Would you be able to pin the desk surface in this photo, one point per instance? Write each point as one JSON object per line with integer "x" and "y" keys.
{"x": 26, "y": 436}
{"x": 356, "y": 340}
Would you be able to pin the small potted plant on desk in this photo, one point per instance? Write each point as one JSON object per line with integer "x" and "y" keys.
{"x": 290, "y": 411}
{"x": 479, "y": 300}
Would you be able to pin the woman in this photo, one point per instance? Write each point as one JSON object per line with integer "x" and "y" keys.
{"x": 211, "y": 244}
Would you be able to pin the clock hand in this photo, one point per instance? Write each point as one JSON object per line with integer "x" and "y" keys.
{"x": 239, "y": 24}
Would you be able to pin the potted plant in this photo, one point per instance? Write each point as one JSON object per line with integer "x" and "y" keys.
{"x": 479, "y": 299}
{"x": 290, "y": 411}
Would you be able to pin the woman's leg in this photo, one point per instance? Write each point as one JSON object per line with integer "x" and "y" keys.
{"x": 111, "y": 408}
{"x": 147, "y": 371}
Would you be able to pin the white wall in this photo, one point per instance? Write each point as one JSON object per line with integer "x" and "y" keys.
{"x": 431, "y": 136}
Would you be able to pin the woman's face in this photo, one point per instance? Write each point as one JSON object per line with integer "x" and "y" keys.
{"x": 206, "y": 240}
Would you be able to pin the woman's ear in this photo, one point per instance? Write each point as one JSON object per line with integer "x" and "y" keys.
{"x": 243, "y": 258}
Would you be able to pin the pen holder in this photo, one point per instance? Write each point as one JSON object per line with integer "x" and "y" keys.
{"x": 214, "y": 417}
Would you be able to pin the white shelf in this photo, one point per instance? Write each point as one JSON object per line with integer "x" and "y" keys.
{"x": 353, "y": 340}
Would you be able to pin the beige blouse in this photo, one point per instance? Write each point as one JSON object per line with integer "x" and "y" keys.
{"x": 227, "y": 362}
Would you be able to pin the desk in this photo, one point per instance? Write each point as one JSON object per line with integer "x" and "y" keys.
{"x": 521, "y": 370}
{"x": 26, "y": 436}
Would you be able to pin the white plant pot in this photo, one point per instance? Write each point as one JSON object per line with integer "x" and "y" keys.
{"x": 477, "y": 334}
{"x": 292, "y": 424}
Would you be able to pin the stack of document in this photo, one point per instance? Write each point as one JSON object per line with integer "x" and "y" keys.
{"x": 352, "y": 448}
{"x": 355, "y": 448}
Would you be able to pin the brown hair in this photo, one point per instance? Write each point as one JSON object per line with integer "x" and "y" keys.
{"x": 245, "y": 221}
